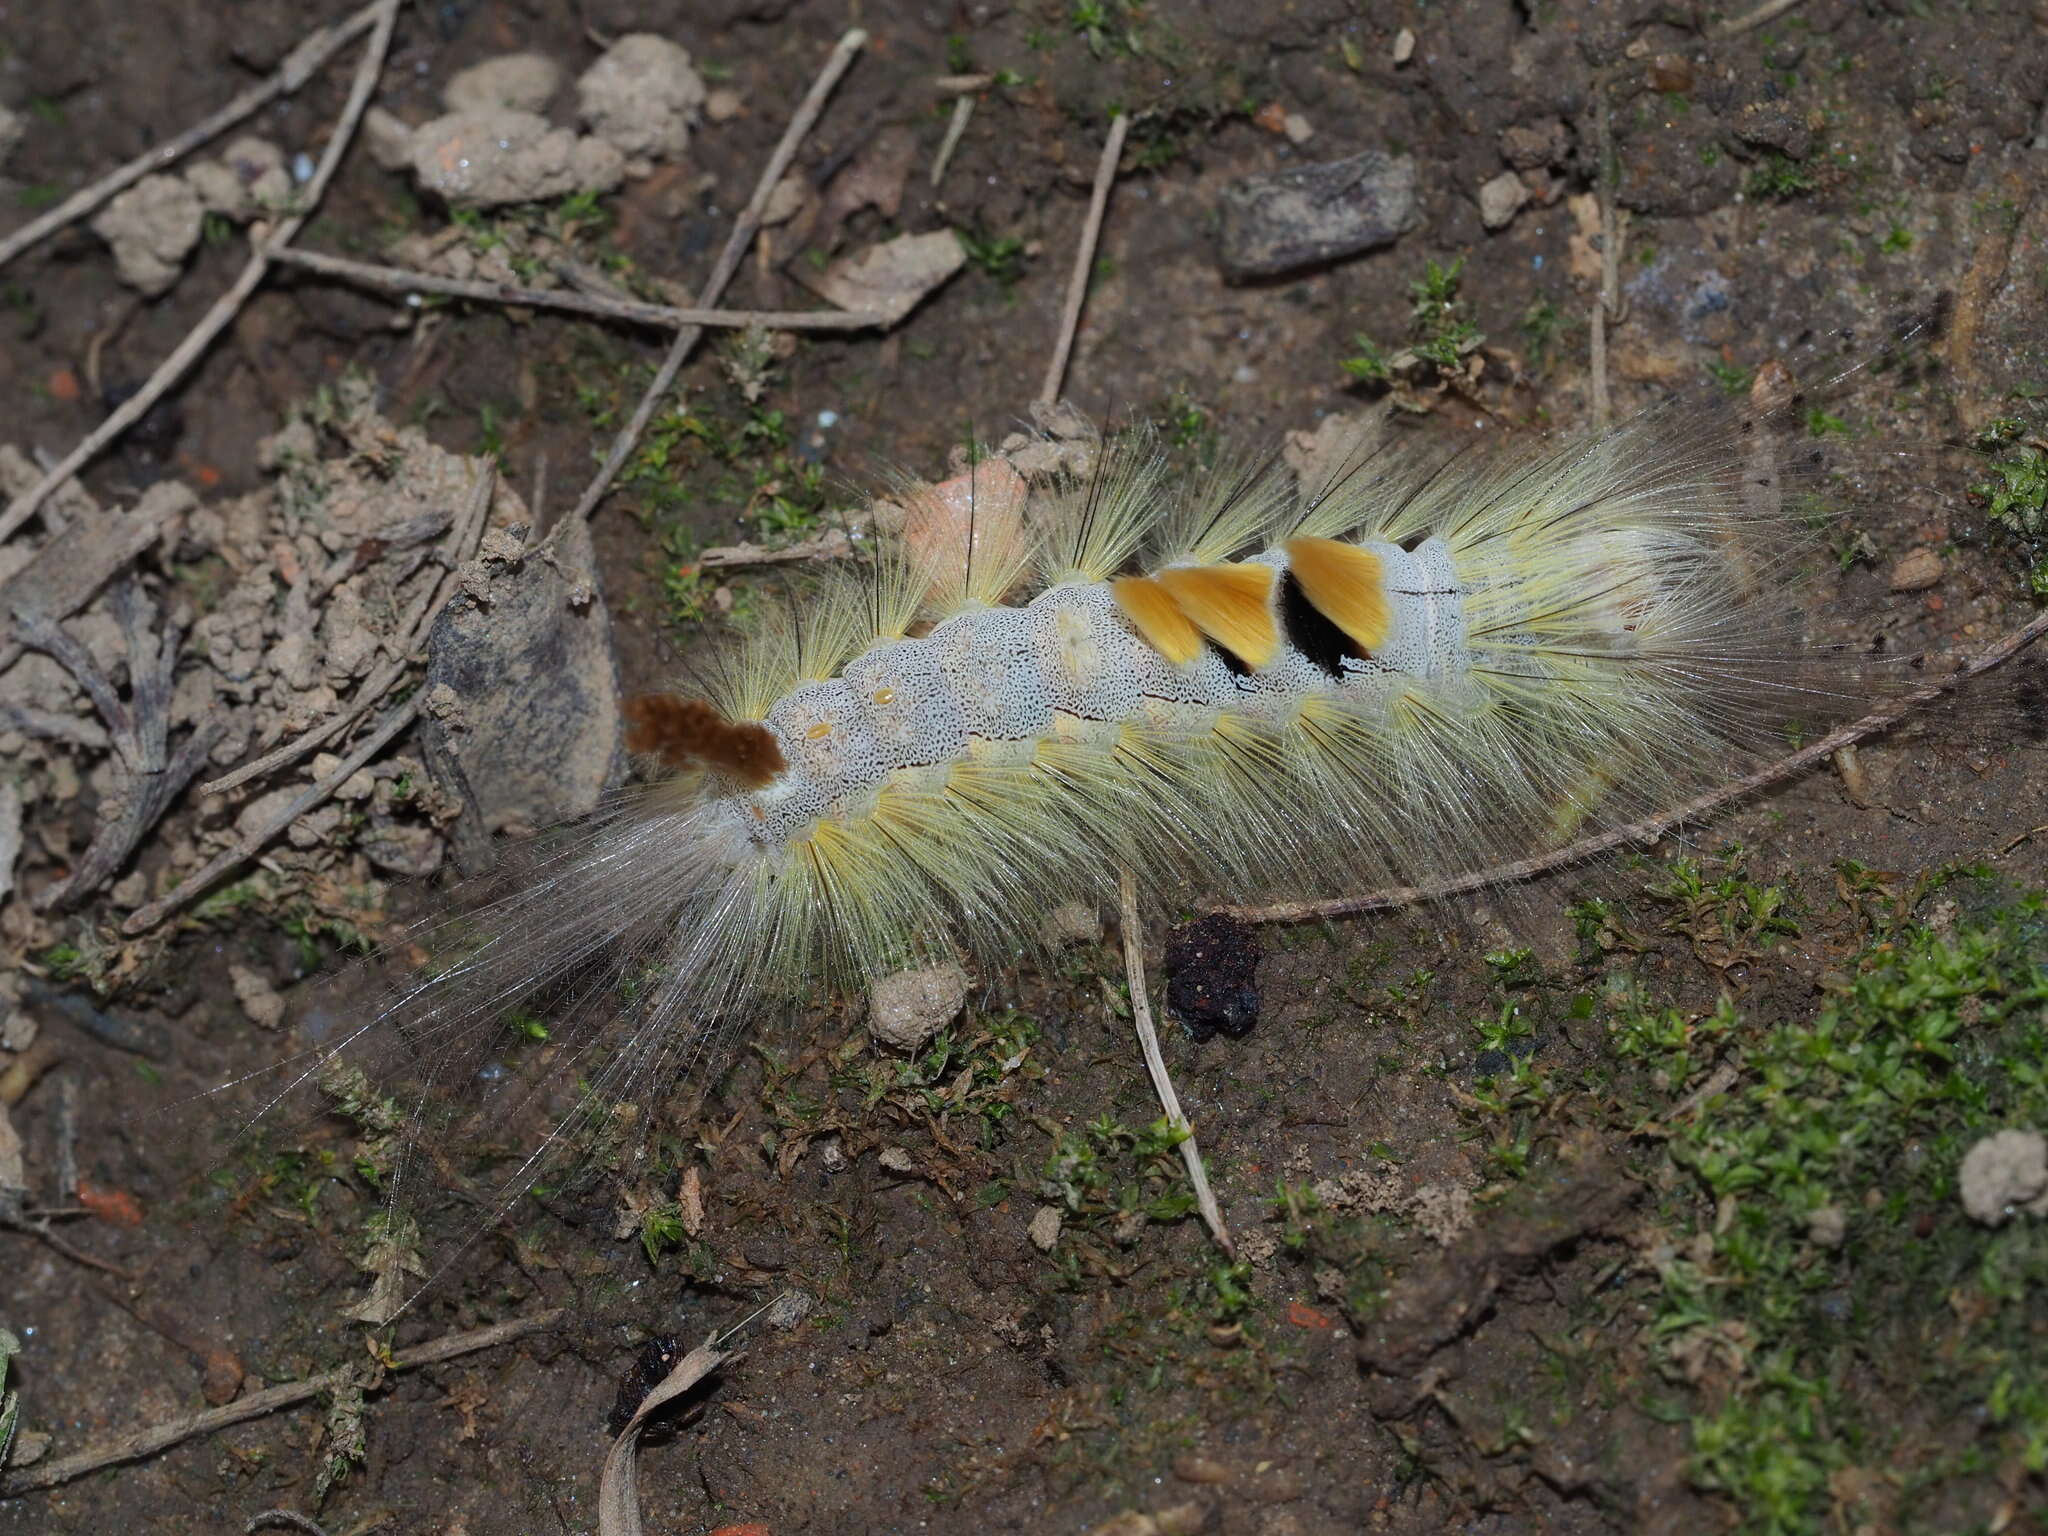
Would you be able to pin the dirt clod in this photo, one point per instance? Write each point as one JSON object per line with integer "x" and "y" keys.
{"x": 489, "y": 159}
{"x": 1213, "y": 966}
{"x": 643, "y": 97}
{"x": 516, "y": 82}
{"x": 908, "y": 1008}
{"x": 152, "y": 227}
{"x": 2003, "y": 1174}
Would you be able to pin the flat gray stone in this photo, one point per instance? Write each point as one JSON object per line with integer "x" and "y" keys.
{"x": 1316, "y": 213}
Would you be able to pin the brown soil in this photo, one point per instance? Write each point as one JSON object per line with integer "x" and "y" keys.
{"x": 950, "y": 1376}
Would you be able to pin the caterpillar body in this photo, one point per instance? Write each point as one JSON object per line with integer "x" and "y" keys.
{"x": 1229, "y": 685}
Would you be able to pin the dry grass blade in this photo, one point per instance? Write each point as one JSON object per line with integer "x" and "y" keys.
{"x": 618, "y": 1492}
{"x": 1155, "y": 1063}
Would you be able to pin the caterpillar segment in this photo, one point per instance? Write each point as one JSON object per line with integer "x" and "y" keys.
{"x": 1406, "y": 675}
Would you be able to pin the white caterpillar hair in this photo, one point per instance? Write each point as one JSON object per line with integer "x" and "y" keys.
{"x": 1233, "y": 686}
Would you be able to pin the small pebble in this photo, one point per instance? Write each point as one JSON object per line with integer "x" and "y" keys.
{"x": 1916, "y": 570}
{"x": 1045, "y": 1227}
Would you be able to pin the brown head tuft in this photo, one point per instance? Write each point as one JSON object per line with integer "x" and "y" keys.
{"x": 687, "y": 733}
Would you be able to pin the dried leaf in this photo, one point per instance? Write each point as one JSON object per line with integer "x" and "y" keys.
{"x": 889, "y": 280}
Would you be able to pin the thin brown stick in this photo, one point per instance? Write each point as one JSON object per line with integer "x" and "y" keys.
{"x": 956, "y": 129}
{"x": 461, "y": 546}
{"x": 144, "y": 918}
{"x": 147, "y": 1442}
{"x": 297, "y": 68}
{"x": 662, "y": 316}
{"x": 1084, "y": 258}
{"x": 743, "y": 232}
{"x": 1607, "y": 306}
{"x": 1652, "y": 827}
{"x": 1768, "y": 11}
{"x": 1155, "y": 1062}
{"x": 218, "y": 318}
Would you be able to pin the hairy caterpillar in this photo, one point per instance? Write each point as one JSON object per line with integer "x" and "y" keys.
{"x": 1230, "y": 684}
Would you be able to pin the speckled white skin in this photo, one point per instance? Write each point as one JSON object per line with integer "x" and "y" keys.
{"x": 1009, "y": 675}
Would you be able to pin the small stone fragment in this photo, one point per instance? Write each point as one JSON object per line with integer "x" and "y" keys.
{"x": 2003, "y": 1173}
{"x": 1670, "y": 73}
{"x": 1775, "y": 125}
{"x": 518, "y": 82}
{"x": 259, "y": 999}
{"x": 643, "y": 97}
{"x": 1298, "y": 128}
{"x": 1501, "y": 199}
{"x": 788, "y": 1309}
{"x": 723, "y": 105}
{"x": 488, "y": 159}
{"x": 907, "y": 1009}
{"x": 389, "y": 138}
{"x": 1404, "y": 47}
{"x": 152, "y": 228}
{"x": 1045, "y": 1227}
{"x": 1916, "y": 570}
{"x": 1526, "y": 146}
{"x": 1316, "y": 213}
{"x": 896, "y": 1160}
{"x": 1190, "y": 1468}
{"x": 1826, "y": 1226}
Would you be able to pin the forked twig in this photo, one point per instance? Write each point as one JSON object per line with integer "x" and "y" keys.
{"x": 1084, "y": 258}
{"x": 1155, "y": 1063}
{"x": 743, "y": 232}
{"x": 1652, "y": 827}
{"x": 664, "y": 316}
{"x": 147, "y": 1442}
{"x": 297, "y": 68}
{"x": 248, "y": 846}
{"x": 229, "y": 304}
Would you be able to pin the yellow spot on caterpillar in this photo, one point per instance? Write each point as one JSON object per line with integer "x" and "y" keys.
{"x": 1158, "y": 620}
{"x": 1232, "y": 603}
{"x": 819, "y": 731}
{"x": 884, "y": 697}
{"x": 1347, "y": 586}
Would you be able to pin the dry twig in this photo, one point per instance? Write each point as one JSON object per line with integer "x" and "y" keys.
{"x": 1084, "y": 258}
{"x": 1770, "y": 10}
{"x": 963, "y": 110}
{"x": 742, "y": 236}
{"x": 224, "y": 310}
{"x": 1608, "y": 305}
{"x": 294, "y": 72}
{"x": 1651, "y": 828}
{"x": 147, "y": 1442}
{"x": 663, "y": 316}
{"x": 1155, "y": 1063}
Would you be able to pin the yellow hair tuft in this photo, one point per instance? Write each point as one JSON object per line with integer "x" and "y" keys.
{"x": 1233, "y": 604}
{"x": 1347, "y": 585}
